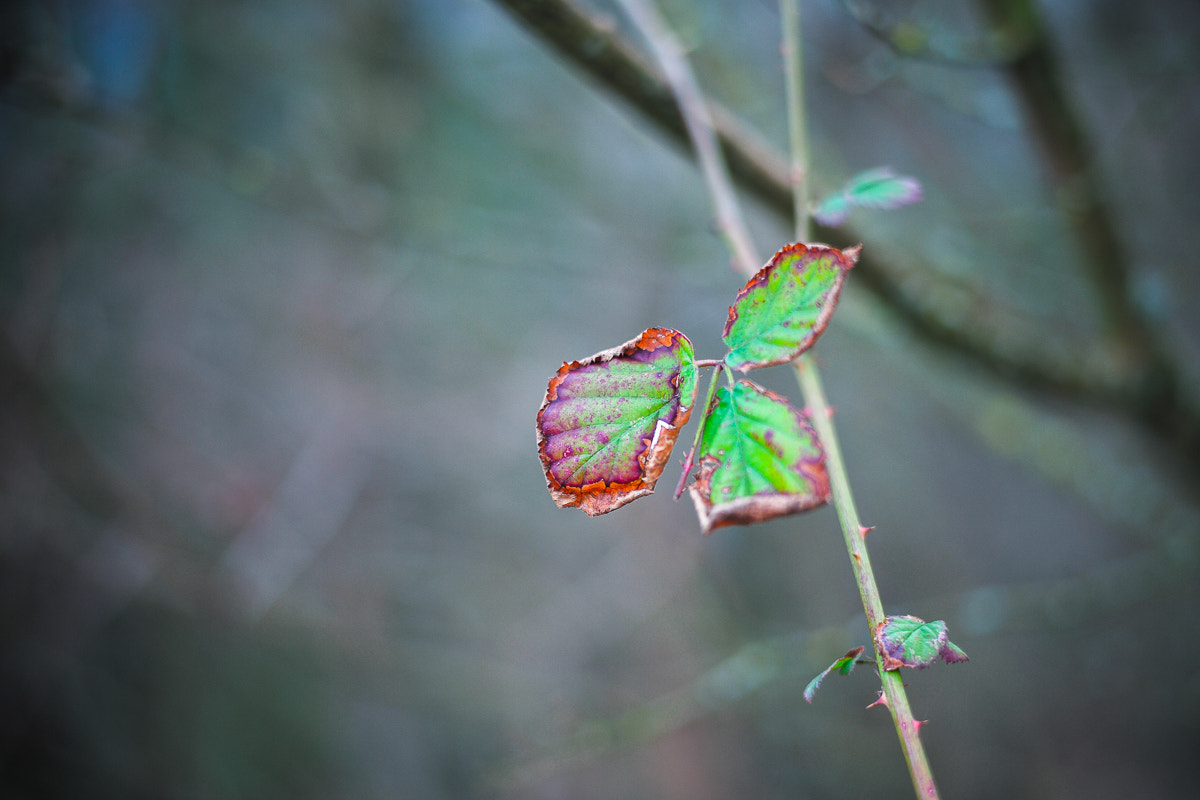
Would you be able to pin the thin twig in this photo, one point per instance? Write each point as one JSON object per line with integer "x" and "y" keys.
{"x": 854, "y": 535}
{"x": 700, "y": 130}
{"x": 793, "y": 60}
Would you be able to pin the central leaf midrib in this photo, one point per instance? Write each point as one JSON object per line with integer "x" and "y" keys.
{"x": 620, "y": 438}
{"x": 789, "y": 280}
{"x": 746, "y": 489}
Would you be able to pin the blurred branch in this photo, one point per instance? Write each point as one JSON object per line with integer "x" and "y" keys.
{"x": 70, "y": 503}
{"x": 1143, "y": 388}
{"x": 796, "y": 656}
{"x": 700, "y": 131}
{"x": 592, "y": 43}
{"x": 1082, "y": 201}
{"x": 60, "y": 449}
{"x": 1008, "y": 39}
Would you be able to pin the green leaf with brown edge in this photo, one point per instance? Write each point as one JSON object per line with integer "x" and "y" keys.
{"x": 843, "y": 665}
{"x": 608, "y": 423}
{"x": 782, "y": 310}
{"x": 907, "y": 641}
{"x": 759, "y": 459}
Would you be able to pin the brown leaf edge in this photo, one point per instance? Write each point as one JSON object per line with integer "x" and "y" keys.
{"x": 846, "y": 259}
{"x": 947, "y": 650}
{"x": 762, "y": 507}
{"x": 602, "y": 497}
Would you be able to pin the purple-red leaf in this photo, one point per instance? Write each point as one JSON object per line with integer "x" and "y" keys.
{"x": 608, "y": 423}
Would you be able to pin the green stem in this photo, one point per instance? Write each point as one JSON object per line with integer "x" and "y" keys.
{"x": 814, "y": 396}
{"x": 688, "y": 462}
{"x": 854, "y": 535}
{"x": 793, "y": 60}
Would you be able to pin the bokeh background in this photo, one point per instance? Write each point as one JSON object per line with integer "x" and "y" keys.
{"x": 281, "y": 285}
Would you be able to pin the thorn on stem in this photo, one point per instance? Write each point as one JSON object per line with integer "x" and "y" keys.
{"x": 881, "y": 700}
{"x": 863, "y": 530}
{"x": 687, "y": 470}
{"x": 830, "y": 411}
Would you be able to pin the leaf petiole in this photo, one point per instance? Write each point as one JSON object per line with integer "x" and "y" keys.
{"x": 688, "y": 461}
{"x": 729, "y": 377}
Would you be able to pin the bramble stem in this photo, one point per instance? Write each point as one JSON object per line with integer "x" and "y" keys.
{"x": 729, "y": 221}
{"x": 809, "y": 379}
{"x": 793, "y": 73}
{"x": 856, "y": 545}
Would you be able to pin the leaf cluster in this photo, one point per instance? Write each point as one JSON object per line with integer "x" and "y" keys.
{"x": 608, "y": 423}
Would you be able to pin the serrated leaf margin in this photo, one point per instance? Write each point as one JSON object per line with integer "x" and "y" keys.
{"x": 845, "y": 260}
{"x": 758, "y": 508}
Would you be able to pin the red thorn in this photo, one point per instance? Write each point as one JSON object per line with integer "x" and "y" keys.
{"x": 918, "y": 724}
{"x": 863, "y": 530}
{"x": 879, "y": 701}
{"x": 857, "y": 558}
{"x": 830, "y": 411}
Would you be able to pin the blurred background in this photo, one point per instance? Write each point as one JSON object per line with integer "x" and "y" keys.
{"x": 282, "y": 284}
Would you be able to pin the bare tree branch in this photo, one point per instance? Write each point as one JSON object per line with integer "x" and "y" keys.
{"x": 892, "y": 24}
{"x": 1154, "y": 394}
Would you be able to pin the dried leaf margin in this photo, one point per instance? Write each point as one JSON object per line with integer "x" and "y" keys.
{"x": 601, "y": 497}
{"x": 907, "y": 641}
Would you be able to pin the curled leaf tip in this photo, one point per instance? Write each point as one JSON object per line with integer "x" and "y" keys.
{"x": 843, "y": 665}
